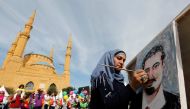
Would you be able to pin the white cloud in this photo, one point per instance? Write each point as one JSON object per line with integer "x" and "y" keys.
{"x": 96, "y": 26}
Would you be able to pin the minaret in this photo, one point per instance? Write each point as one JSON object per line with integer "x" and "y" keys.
{"x": 11, "y": 50}
{"x": 51, "y": 56}
{"x": 24, "y": 36}
{"x": 66, "y": 72}
{"x": 51, "y": 53}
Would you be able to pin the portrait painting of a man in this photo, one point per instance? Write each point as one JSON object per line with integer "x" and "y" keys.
{"x": 158, "y": 61}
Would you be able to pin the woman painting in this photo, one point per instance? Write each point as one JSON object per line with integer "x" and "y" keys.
{"x": 107, "y": 83}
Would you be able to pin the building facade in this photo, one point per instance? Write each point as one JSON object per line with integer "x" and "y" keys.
{"x": 33, "y": 70}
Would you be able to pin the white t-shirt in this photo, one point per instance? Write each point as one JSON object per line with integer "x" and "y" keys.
{"x": 46, "y": 99}
{"x": 54, "y": 100}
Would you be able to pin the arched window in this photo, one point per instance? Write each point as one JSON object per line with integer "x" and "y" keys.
{"x": 29, "y": 86}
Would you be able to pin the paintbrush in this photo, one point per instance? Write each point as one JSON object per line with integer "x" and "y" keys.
{"x": 144, "y": 79}
{"x": 116, "y": 67}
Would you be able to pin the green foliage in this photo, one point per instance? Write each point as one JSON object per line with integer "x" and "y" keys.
{"x": 10, "y": 90}
{"x": 52, "y": 89}
{"x": 27, "y": 94}
{"x": 68, "y": 89}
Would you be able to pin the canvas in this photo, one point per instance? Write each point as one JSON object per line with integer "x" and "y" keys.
{"x": 168, "y": 69}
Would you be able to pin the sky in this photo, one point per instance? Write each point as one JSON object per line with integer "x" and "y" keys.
{"x": 96, "y": 27}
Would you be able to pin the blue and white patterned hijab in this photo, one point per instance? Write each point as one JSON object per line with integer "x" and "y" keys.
{"x": 103, "y": 73}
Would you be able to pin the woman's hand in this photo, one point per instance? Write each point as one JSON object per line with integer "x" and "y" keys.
{"x": 139, "y": 77}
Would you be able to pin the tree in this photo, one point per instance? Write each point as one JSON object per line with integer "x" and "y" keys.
{"x": 68, "y": 89}
{"x": 52, "y": 89}
{"x": 10, "y": 90}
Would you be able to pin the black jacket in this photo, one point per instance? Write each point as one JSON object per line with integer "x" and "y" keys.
{"x": 103, "y": 98}
{"x": 172, "y": 101}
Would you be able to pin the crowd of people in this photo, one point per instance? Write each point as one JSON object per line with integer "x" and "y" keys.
{"x": 44, "y": 100}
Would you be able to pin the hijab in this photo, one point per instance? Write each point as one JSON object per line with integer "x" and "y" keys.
{"x": 104, "y": 73}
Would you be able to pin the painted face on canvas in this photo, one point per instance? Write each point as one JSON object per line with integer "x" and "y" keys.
{"x": 154, "y": 68}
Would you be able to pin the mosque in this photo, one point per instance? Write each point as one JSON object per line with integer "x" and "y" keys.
{"x": 33, "y": 70}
